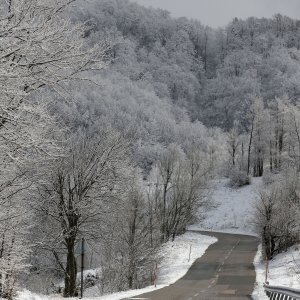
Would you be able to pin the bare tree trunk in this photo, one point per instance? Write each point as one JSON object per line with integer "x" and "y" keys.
{"x": 280, "y": 144}
{"x": 1, "y": 255}
{"x": 71, "y": 270}
{"x": 9, "y": 6}
{"x": 250, "y": 146}
{"x": 298, "y": 140}
{"x": 271, "y": 155}
{"x": 132, "y": 233}
{"x": 205, "y": 51}
{"x": 163, "y": 229}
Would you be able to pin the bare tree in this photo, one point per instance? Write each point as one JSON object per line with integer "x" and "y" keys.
{"x": 233, "y": 145}
{"x": 131, "y": 251}
{"x": 277, "y": 214}
{"x": 180, "y": 189}
{"x": 293, "y": 136}
{"x": 80, "y": 190}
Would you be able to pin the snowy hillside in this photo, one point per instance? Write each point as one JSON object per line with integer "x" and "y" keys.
{"x": 233, "y": 208}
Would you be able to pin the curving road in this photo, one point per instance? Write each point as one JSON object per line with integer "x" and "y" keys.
{"x": 225, "y": 271}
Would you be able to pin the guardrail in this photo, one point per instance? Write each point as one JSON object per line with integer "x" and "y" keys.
{"x": 281, "y": 292}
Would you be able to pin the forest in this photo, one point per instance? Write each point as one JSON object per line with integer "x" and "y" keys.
{"x": 114, "y": 120}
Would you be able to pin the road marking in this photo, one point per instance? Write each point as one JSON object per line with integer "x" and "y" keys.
{"x": 220, "y": 268}
{"x": 196, "y": 295}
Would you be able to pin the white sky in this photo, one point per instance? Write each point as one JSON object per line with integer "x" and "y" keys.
{"x": 220, "y": 12}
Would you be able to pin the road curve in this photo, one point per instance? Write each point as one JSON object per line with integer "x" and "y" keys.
{"x": 225, "y": 271}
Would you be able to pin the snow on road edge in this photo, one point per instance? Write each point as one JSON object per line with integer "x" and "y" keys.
{"x": 259, "y": 293}
{"x": 175, "y": 262}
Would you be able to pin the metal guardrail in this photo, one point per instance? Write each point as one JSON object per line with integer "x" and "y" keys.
{"x": 281, "y": 293}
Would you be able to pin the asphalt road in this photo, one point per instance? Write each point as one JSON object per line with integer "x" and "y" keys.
{"x": 225, "y": 271}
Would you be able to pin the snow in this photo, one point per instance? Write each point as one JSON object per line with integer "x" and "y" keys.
{"x": 27, "y": 295}
{"x": 92, "y": 273}
{"x": 258, "y": 293}
{"x": 284, "y": 270}
{"x": 174, "y": 265}
{"x": 233, "y": 208}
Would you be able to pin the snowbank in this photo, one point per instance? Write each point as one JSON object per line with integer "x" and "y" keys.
{"x": 174, "y": 265}
{"x": 175, "y": 255}
{"x": 284, "y": 270}
{"x": 26, "y": 295}
{"x": 258, "y": 293}
{"x": 233, "y": 208}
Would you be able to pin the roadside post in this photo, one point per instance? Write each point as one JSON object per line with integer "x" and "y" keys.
{"x": 154, "y": 274}
{"x": 190, "y": 253}
{"x": 82, "y": 267}
{"x": 82, "y": 252}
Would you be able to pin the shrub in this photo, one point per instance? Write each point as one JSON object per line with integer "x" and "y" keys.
{"x": 238, "y": 178}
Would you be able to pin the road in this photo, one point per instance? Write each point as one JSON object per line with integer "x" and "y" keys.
{"x": 225, "y": 271}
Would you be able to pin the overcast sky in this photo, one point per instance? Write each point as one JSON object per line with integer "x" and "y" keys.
{"x": 219, "y": 12}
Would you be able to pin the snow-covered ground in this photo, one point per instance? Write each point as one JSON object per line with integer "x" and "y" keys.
{"x": 284, "y": 270}
{"x": 233, "y": 213}
{"x": 233, "y": 208}
{"x": 174, "y": 264}
{"x": 258, "y": 293}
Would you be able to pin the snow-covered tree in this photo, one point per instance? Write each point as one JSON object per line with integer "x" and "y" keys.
{"x": 132, "y": 237}
{"x": 40, "y": 51}
{"x": 277, "y": 214}
{"x": 179, "y": 188}
{"x": 80, "y": 190}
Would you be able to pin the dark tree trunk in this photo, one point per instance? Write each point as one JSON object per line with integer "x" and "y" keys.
{"x": 242, "y": 162}
{"x": 164, "y": 221}
{"x": 267, "y": 243}
{"x": 71, "y": 270}
{"x": 250, "y": 146}
{"x": 233, "y": 155}
{"x": 130, "y": 281}
{"x": 131, "y": 240}
{"x": 271, "y": 155}
{"x": 205, "y": 52}
{"x": 258, "y": 168}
